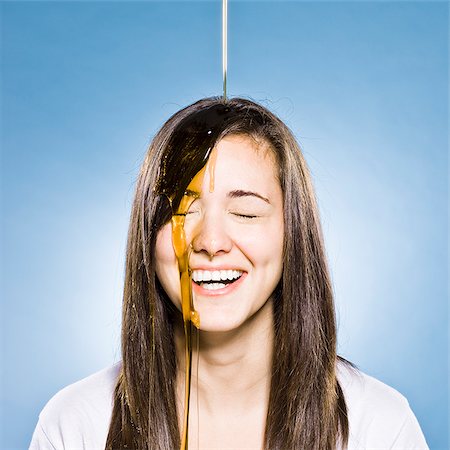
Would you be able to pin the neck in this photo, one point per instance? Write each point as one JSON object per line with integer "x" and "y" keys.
{"x": 232, "y": 369}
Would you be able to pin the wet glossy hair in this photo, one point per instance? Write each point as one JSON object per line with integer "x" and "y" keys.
{"x": 306, "y": 405}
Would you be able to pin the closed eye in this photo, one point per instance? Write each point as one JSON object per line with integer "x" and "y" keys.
{"x": 245, "y": 216}
{"x": 187, "y": 213}
{"x": 193, "y": 208}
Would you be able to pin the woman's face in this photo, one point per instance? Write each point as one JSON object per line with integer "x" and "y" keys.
{"x": 236, "y": 235}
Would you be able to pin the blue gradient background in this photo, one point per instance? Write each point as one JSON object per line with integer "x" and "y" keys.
{"x": 85, "y": 85}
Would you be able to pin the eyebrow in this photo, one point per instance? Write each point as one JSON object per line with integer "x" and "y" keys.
{"x": 240, "y": 193}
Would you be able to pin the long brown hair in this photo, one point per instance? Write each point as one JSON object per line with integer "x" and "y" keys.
{"x": 306, "y": 405}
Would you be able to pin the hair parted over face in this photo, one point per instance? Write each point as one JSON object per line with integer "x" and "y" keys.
{"x": 306, "y": 404}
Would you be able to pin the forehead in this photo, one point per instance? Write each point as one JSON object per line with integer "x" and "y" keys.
{"x": 244, "y": 158}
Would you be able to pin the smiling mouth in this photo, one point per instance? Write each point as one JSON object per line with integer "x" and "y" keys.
{"x": 216, "y": 279}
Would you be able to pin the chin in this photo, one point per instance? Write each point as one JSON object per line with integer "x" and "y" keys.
{"x": 214, "y": 322}
{"x": 235, "y": 319}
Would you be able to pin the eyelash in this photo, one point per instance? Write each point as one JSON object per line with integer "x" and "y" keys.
{"x": 245, "y": 216}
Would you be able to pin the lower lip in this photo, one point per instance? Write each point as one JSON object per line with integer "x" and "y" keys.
{"x": 216, "y": 292}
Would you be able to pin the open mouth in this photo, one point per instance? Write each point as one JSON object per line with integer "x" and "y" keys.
{"x": 216, "y": 279}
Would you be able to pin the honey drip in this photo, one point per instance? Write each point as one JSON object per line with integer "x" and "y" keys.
{"x": 182, "y": 252}
{"x": 211, "y": 165}
{"x": 190, "y": 154}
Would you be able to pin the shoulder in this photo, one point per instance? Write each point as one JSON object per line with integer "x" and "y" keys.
{"x": 379, "y": 416}
{"x": 366, "y": 395}
{"x": 78, "y": 416}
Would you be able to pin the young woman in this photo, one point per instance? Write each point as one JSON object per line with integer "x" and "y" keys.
{"x": 231, "y": 177}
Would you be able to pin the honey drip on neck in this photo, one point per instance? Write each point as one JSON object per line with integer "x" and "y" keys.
{"x": 182, "y": 252}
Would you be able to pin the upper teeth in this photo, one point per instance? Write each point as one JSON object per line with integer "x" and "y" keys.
{"x": 215, "y": 275}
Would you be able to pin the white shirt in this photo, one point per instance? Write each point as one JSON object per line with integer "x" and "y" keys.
{"x": 78, "y": 416}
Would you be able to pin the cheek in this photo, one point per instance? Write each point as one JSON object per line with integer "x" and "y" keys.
{"x": 163, "y": 249}
{"x": 166, "y": 263}
{"x": 263, "y": 246}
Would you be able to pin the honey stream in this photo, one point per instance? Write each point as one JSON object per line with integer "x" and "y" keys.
{"x": 224, "y": 46}
{"x": 206, "y": 121}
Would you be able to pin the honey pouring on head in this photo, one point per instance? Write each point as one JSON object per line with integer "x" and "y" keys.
{"x": 182, "y": 252}
{"x": 190, "y": 153}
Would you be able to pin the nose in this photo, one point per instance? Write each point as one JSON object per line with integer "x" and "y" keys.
{"x": 211, "y": 237}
